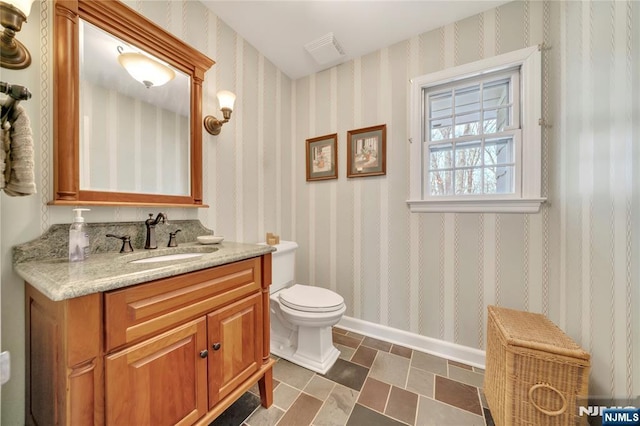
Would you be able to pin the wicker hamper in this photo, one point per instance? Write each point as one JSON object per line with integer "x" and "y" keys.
{"x": 535, "y": 372}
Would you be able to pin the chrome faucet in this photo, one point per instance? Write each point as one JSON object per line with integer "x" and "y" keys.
{"x": 151, "y": 229}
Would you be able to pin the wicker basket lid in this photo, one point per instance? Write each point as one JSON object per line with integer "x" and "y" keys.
{"x": 535, "y": 331}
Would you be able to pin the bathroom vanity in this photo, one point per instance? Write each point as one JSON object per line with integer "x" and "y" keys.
{"x": 111, "y": 341}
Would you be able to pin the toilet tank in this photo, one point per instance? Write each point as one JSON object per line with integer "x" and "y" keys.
{"x": 283, "y": 263}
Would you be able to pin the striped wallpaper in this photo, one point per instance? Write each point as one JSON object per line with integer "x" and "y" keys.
{"x": 577, "y": 260}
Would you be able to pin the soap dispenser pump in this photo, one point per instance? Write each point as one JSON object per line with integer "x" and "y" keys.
{"x": 78, "y": 238}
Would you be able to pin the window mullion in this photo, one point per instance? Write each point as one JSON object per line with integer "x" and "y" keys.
{"x": 481, "y": 105}
{"x": 483, "y": 165}
{"x": 468, "y": 138}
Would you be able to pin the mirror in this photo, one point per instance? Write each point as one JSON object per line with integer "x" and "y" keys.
{"x": 117, "y": 142}
{"x": 132, "y": 138}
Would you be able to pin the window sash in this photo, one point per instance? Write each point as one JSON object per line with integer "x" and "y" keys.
{"x": 476, "y": 88}
{"x": 512, "y": 75}
{"x": 514, "y": 164}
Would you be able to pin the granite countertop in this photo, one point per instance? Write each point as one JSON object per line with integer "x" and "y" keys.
{"x": 40, "y": 264}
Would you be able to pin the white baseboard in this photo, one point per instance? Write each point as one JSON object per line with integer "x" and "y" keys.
{"x": 441, "y": 348}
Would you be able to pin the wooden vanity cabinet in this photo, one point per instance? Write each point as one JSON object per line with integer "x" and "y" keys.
{"x": 235, "y": 346}
{"x": 162, "y": 380}
{"x": 178, "y": 350}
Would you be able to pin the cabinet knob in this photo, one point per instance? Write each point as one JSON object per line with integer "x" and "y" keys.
{"x": 204, "y": 353}
{"x": 216, "y": 346}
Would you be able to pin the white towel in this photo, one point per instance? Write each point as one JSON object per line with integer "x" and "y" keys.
{"x": 19, "y": 162}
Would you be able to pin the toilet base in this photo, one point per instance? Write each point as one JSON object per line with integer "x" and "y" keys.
{"x": 290, "y": 354}
{"x": 314, "y": 349}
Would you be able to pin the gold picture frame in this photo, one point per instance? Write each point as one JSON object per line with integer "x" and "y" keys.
{"x": 322, "y": 157}
{"x": 367, "y": 151}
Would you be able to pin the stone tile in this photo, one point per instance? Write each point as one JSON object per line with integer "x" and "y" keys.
{"x": 319, "y": 387}
{"x": 301, "y": 412}
{"x": 435, "y": 413}
{"x": 284, "y": 395}
{"x": 401, "y": 350}
{"x": 265, "y": 416}
{"x": 466, "y": 376}
{"x": 390, "y": 369}
{"x": 362, "y": 415}
{"x": 345, "y": 352}
{"x": 348, "y": 374}
{"x": 256, "y": 390}
{"x": 356, "y": 335}
{"x": 488, "y": 418}
{"x": 421, "y": 382}
{"x": 376, "y": 344}
{"x": 483, "y": 399}
{"x": 374, "y": 394}
{"x": 458, "y": 394}
{"x": 238, "y": 411}
{"x": 339, "y": 330}
{"x": 364, "y": 356}
{"x": 402, "y": 405}
{"x": 337, "y": 407}
{"x": 291, "y": 374}
{"x": 429, "y": 362}
{"x": 459, "y": 364}
{"x": 345, "y": 340}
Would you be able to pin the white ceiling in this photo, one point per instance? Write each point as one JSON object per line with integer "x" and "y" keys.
{"x": 280, "y": 29}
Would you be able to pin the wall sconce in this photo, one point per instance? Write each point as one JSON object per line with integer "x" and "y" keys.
{"x": 13, "y": 54}
{"x": 226, "y": 100}
{"x": 144, "y": 69}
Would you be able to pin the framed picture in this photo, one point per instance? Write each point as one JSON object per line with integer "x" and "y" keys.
{"x": 367, "y": 151}
{"x": 322, "y": 157}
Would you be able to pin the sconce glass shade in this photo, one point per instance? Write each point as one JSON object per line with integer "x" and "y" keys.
{"x": 146, "y": 70}
{"x": 13, "y": 54}
{"x": 23, "y": 6}
{"x": 226, "y": 99}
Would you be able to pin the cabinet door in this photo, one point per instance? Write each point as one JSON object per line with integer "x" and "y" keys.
{"x": 235, "y": 345}
{"x": 161, "y": 381}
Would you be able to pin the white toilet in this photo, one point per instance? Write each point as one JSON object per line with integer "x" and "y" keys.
{"x": 301, "y": 315}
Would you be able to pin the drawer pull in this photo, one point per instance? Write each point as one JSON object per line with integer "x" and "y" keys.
{"x": 216, "y": 346}
{"x": 204, "y": 353}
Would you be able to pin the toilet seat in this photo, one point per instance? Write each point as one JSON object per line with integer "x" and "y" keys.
{"x": 311, "y": 299}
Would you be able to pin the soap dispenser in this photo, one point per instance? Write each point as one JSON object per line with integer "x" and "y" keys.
{"x": 78, "y": 238}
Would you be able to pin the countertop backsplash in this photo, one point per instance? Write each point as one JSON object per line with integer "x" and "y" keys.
{"x": 54, "y": 243}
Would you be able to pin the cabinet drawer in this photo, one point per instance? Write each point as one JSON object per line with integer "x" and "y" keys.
{"x": 134, "y": 313}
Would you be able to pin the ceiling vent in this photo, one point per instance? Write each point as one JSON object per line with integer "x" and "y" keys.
{"x": 325, "y": 49}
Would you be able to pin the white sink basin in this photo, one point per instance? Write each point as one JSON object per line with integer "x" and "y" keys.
{"x": 167, "y": 257}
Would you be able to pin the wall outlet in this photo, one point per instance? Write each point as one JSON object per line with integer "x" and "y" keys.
{"x": 5, "y": 367}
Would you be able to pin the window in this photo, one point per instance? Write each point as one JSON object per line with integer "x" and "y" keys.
{"x": 475, "y": 136}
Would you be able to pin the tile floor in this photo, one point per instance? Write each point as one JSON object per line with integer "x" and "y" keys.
{"x": 373, "y": 383}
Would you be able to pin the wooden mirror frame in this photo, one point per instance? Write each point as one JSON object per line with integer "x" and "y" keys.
{"x": 123, "y": 22}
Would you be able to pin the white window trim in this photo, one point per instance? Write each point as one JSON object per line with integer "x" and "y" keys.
{"x": 530, "y": 198}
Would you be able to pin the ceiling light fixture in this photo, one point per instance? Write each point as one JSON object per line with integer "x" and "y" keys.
{"x": 226, "y": 100}
{"x": 147, "y": 71}
{"x": 13, "y": 54}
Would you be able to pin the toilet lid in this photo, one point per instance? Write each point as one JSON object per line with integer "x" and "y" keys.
{"x": 311, "y": 299}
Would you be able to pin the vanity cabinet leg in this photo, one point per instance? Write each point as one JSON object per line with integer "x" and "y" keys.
{"x": 265, "y": 385}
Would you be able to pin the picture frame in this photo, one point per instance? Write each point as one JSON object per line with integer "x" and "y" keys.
{"x": 322, "y": 157}
{"x": 367, "y": 151}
